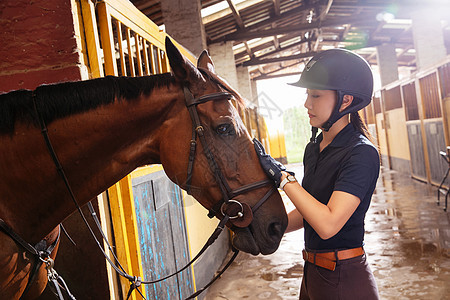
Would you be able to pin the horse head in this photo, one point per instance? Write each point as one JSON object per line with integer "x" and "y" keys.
{"x": 228, "y": 142}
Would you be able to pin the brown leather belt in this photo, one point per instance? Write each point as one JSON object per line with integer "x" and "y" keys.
{"x": 328, "y": 260}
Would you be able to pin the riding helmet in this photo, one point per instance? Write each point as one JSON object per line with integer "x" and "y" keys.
{"x": 343, "y": 71}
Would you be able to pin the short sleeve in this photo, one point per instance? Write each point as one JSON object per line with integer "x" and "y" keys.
{"x": 359, "y": 172}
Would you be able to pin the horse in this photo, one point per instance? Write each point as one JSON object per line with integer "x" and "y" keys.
{"x": 101, "y": 130}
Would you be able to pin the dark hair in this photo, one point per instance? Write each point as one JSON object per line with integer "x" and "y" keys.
{"x": 361, "y": 126}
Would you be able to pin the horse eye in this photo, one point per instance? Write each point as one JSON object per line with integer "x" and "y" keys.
{"x": 225, "y": 129}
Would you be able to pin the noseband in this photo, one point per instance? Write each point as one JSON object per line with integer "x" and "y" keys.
{"x": 239, "y": 213}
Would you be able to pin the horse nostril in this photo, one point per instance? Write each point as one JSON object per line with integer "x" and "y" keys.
{"x": 275, "y": 229}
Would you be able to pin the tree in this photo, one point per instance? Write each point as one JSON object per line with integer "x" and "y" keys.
{"x": 297, "y": 133}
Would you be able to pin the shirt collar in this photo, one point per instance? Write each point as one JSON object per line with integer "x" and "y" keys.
{"x": 342, "y": 138}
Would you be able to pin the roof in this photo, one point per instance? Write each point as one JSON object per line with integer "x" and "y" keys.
{"x": 276, "y": 37}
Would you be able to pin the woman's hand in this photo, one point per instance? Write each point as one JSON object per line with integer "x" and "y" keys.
{"x": 273, "y": 168}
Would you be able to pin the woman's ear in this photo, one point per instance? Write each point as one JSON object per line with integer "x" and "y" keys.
{"x": 346, "y": 102}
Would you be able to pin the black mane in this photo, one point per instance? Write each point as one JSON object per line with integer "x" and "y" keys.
{"x": 56, "y": 101}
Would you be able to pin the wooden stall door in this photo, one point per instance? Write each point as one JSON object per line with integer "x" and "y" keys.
{"x": 434, "y": 130}
{"x": 433, "y": 125}
{"x": 418, "y": 167}
{"x": 162, "y": 235}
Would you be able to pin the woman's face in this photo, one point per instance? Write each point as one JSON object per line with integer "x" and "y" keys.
{"x": 320, "y": 105}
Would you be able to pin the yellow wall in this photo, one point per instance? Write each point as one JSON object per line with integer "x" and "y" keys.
{"x": 199, "y": 225}
{"x": 382, "y": 143}
{"x": 446, "y": 104}
{"x": 277, "y": 145}
{"x": 398, "y": 134}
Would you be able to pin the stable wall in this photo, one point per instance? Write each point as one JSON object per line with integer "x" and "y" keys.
{"x": 397, "y": 136}
{"x": 412, "y": 122}
{"x": 199, "y": 229}
{"x": 382, "y": 142}
{"x": 39, "y": 43}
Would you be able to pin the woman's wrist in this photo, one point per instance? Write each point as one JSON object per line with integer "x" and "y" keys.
{"x": 283, "y": 175}
{"x": 286, "y": 178}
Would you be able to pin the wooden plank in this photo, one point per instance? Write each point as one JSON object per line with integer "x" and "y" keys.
{"x": 146, "y": 61}
{"x": 435, "y": 143}
{"x": 154, "y": 37}
{"x": 106, "y": 36}
{"x": 105, "y": 221}
{"x": 418, "y": 167}
{"x": 162, "y": 235}
{"x": 129, "y": 216}
{"x": 92, "y": 39}
{"x": 130, "y": 52}
{"x": 137, "y": 40}
{"x": 152, "y": 58}
{"x": 159, "y": 61}
{"x": 123, "y": 66}
{"x": 120, "y": 234}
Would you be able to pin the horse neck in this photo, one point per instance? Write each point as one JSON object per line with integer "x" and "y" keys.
{"x": 96, "y": 149}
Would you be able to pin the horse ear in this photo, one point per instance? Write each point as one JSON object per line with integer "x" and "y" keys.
{"x": 181, "y": 67}
{"x": 205, "y": 61}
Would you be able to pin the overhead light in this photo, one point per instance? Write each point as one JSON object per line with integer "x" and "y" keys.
{"x": 385, "y": 17}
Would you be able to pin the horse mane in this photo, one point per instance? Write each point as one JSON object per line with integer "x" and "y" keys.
{"x": 55, "y": 101}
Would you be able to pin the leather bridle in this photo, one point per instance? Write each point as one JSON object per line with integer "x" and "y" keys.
{"x": 239, "y": 213}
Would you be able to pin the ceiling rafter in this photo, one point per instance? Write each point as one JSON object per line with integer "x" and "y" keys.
{"x": 247, "y": 35}
{"x": 256, "y": 61}
{"x": 276, "y": 30}
{"x": 240, "y": 23}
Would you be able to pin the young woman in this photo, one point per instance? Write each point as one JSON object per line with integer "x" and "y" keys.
{"x": 341, "y": 170}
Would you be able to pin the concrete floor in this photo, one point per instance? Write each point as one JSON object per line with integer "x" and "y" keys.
{"x": 407, "y": 242}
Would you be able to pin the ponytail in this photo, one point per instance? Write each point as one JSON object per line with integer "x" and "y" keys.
{"x": 361, "y": 126}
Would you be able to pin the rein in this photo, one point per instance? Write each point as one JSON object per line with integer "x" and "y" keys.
{"x": 240, "y": 214}
{"x": 41, "y": 254}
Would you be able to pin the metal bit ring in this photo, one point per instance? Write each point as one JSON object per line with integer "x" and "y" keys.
{"x": 240, "y": 214}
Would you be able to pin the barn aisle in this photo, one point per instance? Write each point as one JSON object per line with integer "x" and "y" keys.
{"x": 407, "y": 241}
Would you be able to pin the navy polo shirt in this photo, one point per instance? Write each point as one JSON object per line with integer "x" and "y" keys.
{"x": 350, "y": 163}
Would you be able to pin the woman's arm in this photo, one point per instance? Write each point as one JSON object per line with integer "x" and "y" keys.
{"x": 326, "y": 220}
{"x": 295, "y": 221}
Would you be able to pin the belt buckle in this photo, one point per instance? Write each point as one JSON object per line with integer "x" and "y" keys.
{"x": 305, "y": 255}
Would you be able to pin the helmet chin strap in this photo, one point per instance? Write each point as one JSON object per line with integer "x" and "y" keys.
{"x": 336, "y": 114}
{"x": 313, "y": 138}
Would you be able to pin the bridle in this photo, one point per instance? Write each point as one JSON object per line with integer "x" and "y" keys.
{"x": 240, "y": 214}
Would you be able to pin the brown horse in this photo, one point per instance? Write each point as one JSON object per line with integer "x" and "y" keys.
{"x": 101, "y": 130}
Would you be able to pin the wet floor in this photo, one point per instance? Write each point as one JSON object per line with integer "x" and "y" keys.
{"x": 407, "y": 241}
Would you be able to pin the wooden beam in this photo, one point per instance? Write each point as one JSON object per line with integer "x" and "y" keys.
{"x": 265, "y": 76}
{"x": 256, "y": 61}
{"x": 276, "y": 7}
{"x": 289, "y": 14}
{"x": 236, "y": 15}
{"x": 242, "y": 35}
{"x": 292, "y": 46}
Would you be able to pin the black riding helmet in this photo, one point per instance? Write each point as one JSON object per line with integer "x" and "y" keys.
{"x": 343, "y": 71}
